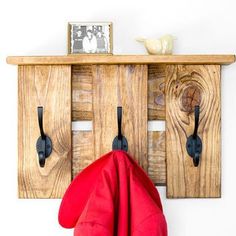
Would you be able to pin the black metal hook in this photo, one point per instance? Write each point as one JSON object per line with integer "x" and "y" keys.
{"x": 44, "y": 143}
{"x": 120, "y": 142}
{"x": 194, "y": 142}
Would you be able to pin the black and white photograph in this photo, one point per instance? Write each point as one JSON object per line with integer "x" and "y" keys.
{"x": 90, "y": 38}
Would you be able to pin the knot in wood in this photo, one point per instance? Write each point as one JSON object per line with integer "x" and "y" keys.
{"x": 191, "y": 97}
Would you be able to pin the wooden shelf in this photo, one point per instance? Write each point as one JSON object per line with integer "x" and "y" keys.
{"x": 121, "y": 59}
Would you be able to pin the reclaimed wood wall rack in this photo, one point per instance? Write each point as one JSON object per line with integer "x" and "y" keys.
{"x": 90, "y": 87}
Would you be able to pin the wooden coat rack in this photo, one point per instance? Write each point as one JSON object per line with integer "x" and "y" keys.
{"x": 90, "y": 87}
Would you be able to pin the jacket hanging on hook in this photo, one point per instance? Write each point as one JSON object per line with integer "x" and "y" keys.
{"x": 113, "y": 196}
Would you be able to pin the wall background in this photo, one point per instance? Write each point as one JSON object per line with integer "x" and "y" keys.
{"x": 40, "y": 28}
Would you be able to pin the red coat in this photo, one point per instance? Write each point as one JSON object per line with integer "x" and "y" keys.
{"x": 113, "y": 197}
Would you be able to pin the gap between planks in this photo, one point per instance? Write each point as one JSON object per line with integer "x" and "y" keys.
{"x": 85, "y": 125}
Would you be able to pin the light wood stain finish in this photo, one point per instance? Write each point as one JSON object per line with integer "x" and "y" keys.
{"x": 148, "y": 87}
{"x": 157, "y": 157}
{"x": 50, "y": 87}
{"x": 82, "y": 92}
{"x": 83, "y": 150}
{"x": 156, "y": 92}
{"x": 121, "y": 59}
{"x": 83, "y": 154}
{"x": 126, "y": 86}
{"x": 187, "y": 86}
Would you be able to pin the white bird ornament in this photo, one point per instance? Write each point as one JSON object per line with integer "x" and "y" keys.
{"x": 163, "y": 45}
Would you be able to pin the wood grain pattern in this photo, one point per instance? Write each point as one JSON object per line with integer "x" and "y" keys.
{"x": 50, "y": 87}
{"x": 82, "y": 92}
{"x": 83, "y": 150}
{"x": 126, "y": 86}
{"x": 157, "y": 157}
{"x": 187, "y": 86}
{"x": 121, "y": 59}
{"x": 83, "y": 154}
{"x": 156, "y": 92}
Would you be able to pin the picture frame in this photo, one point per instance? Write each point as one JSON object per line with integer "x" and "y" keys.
{"x": 90, "y": 38}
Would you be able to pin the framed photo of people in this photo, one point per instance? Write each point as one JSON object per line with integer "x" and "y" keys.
{"x": 91, "y": 38}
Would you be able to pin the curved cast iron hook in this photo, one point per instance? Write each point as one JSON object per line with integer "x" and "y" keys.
{"x": 196, "y": 118}
{"x": 44, "y": 143}
{"x": 119, "y": 142}
{"x": 194, "y": 142}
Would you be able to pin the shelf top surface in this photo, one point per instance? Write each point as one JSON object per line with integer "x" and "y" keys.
{"x": 121, "y": 59}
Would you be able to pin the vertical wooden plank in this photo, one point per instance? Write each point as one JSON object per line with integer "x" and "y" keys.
{"x": 187, "y": 86}
{"x": 126, "y": 86}
{"x": 50, "y": 87}
{"x": 157, "y": 157}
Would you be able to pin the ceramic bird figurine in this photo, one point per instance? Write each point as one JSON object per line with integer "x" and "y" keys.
{"x": 163, "y": 45}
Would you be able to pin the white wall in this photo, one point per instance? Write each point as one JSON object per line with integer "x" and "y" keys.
{"x": 39, "y": 27}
